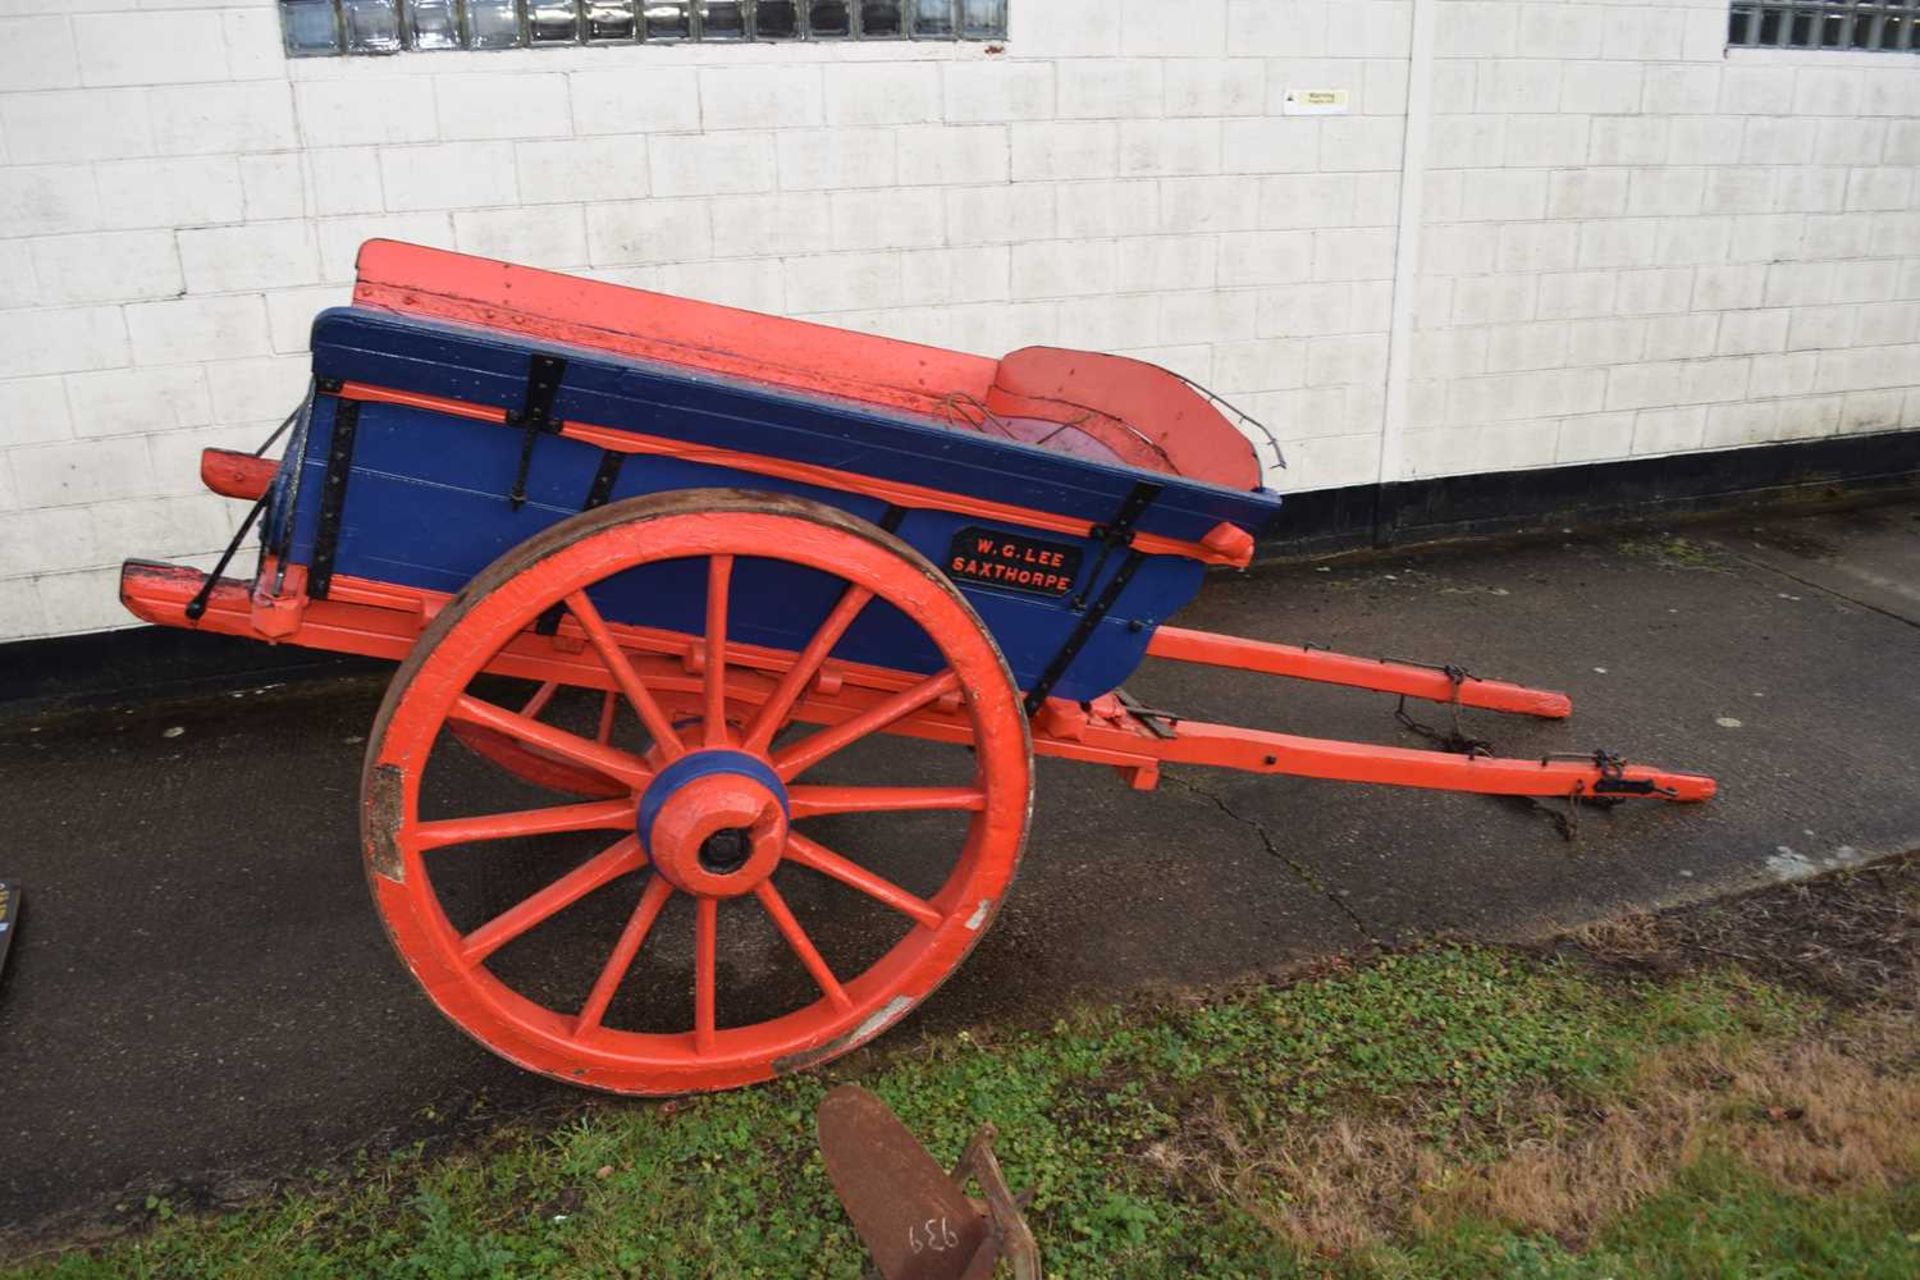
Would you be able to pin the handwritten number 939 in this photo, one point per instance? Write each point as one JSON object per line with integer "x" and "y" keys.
{"x": 933, "y": 1234}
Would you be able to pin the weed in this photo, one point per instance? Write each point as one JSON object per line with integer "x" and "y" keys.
{"x": 1672, "y": 552}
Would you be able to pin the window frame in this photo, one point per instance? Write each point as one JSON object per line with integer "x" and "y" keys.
{"x": 960, "y": 28}
{"x": 1859, "y": 26}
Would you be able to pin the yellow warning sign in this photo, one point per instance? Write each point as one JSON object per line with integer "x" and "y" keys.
{"x": 1315, "y": 102}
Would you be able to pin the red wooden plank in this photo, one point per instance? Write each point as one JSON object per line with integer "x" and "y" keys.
{"x": 417, "y": 280}
{"x": 236, "y": 475}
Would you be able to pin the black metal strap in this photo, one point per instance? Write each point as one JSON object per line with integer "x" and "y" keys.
{"x": 535, "y": 416}
{"x": 285, "y": 425}
{"x": 1138, "y": 499}
{"x": 333, "y": 496}
{"x": 890, "y": 518}
{"x": 1118, "y": 532}
{"x": 608, "y": 475}
{"x": 599, "y": 493}
{"x": 197, "y": 607}
{"x": 1091, "y": 619}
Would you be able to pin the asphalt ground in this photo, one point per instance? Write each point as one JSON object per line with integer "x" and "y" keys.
{"x": 201, "y": 1000}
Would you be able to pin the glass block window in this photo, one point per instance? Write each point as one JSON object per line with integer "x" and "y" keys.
{"x": 1888, "y": 25}
{"x": 324, "y": 28}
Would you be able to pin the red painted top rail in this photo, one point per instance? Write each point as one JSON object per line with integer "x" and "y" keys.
{"x": 1146, "y": 416}
{"x": 422, "y": 281}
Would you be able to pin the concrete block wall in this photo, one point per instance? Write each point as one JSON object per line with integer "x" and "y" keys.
{"x": 1636, "y": 243}
{"x": 1628, "y": 243}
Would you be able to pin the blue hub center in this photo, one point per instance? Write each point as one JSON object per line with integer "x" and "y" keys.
{"x": 725, "y": 850}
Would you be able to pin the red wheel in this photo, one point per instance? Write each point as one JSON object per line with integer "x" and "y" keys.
{"x": 709, "y": 942}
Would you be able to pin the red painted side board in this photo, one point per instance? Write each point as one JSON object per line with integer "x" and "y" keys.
{"x": 444, "y": 285}
{"x": 1147, "y": 416}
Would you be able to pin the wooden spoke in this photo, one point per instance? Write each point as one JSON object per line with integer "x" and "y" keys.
{"x": 608, "y": 705}
{"x": 598, "y": 815}
{"x": 706, "y": 927}
{"x": 541, "y": 697}
{"x": 815, "y": 802}
{"x": 816, "y": 856}
{"x": 816, "y": 964}
{"x": 719, "y": 577}
{"x": 805, "y": 667}
{"x": 615, "y": 764}
{"x": 815, "y": 747}
{"x": 658, "y": 726}
{"x": 631, "y": 939}
{"x": 603, "y": 867}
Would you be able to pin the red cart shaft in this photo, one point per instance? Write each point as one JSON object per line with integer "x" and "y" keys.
{"x": 1384, "y": 675}
{"x": 1109, "y": 732}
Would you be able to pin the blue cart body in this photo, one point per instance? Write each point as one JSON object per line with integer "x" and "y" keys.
{"x": 426, "y": 494}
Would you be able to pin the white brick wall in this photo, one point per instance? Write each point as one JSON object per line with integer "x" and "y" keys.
{"x": 1736, "y": 216}
{"x": 1629, "y": 243}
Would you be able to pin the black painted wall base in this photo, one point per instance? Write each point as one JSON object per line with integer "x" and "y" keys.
{"x": 1596, "y": 493}
{"x": 157, "y": 661}
{"x": 139, "y": 662}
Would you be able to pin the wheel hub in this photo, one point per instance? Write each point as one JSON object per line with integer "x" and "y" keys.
{"x": 726, "y": 850}
{"x": 714, "y": 822}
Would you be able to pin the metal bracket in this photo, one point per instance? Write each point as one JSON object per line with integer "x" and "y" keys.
{"x": 1612, "y": 780}
{"x": 604, "y": 479}
{"x": 1138, "y": 499}
{"x": 333, "y": 498}
{"x": 598, "y": 494}
{"x": 1117, "y": 532}
{"x": 1451, "y": 670}
{"x": 1091, "y": 619}
{"x": 535, "y": 416}
{"x": 1160, "y": 724}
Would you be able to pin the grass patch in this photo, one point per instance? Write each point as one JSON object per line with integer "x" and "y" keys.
{"x": 1452, "y": 1112}
{"x": 1716, "y": 1220}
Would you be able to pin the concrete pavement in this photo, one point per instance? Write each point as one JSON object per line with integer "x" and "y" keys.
{"x": 201, "y": 995}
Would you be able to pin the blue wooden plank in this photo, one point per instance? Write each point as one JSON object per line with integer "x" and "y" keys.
{"x": 426, "y": 507}
{"x": 489, "y": 368}
{"x": 426, "y": 501}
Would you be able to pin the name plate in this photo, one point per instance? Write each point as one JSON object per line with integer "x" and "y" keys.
{"x": 1013, "y": 561}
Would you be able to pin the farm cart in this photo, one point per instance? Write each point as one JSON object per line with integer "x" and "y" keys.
{"x": 659, "y": 572}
